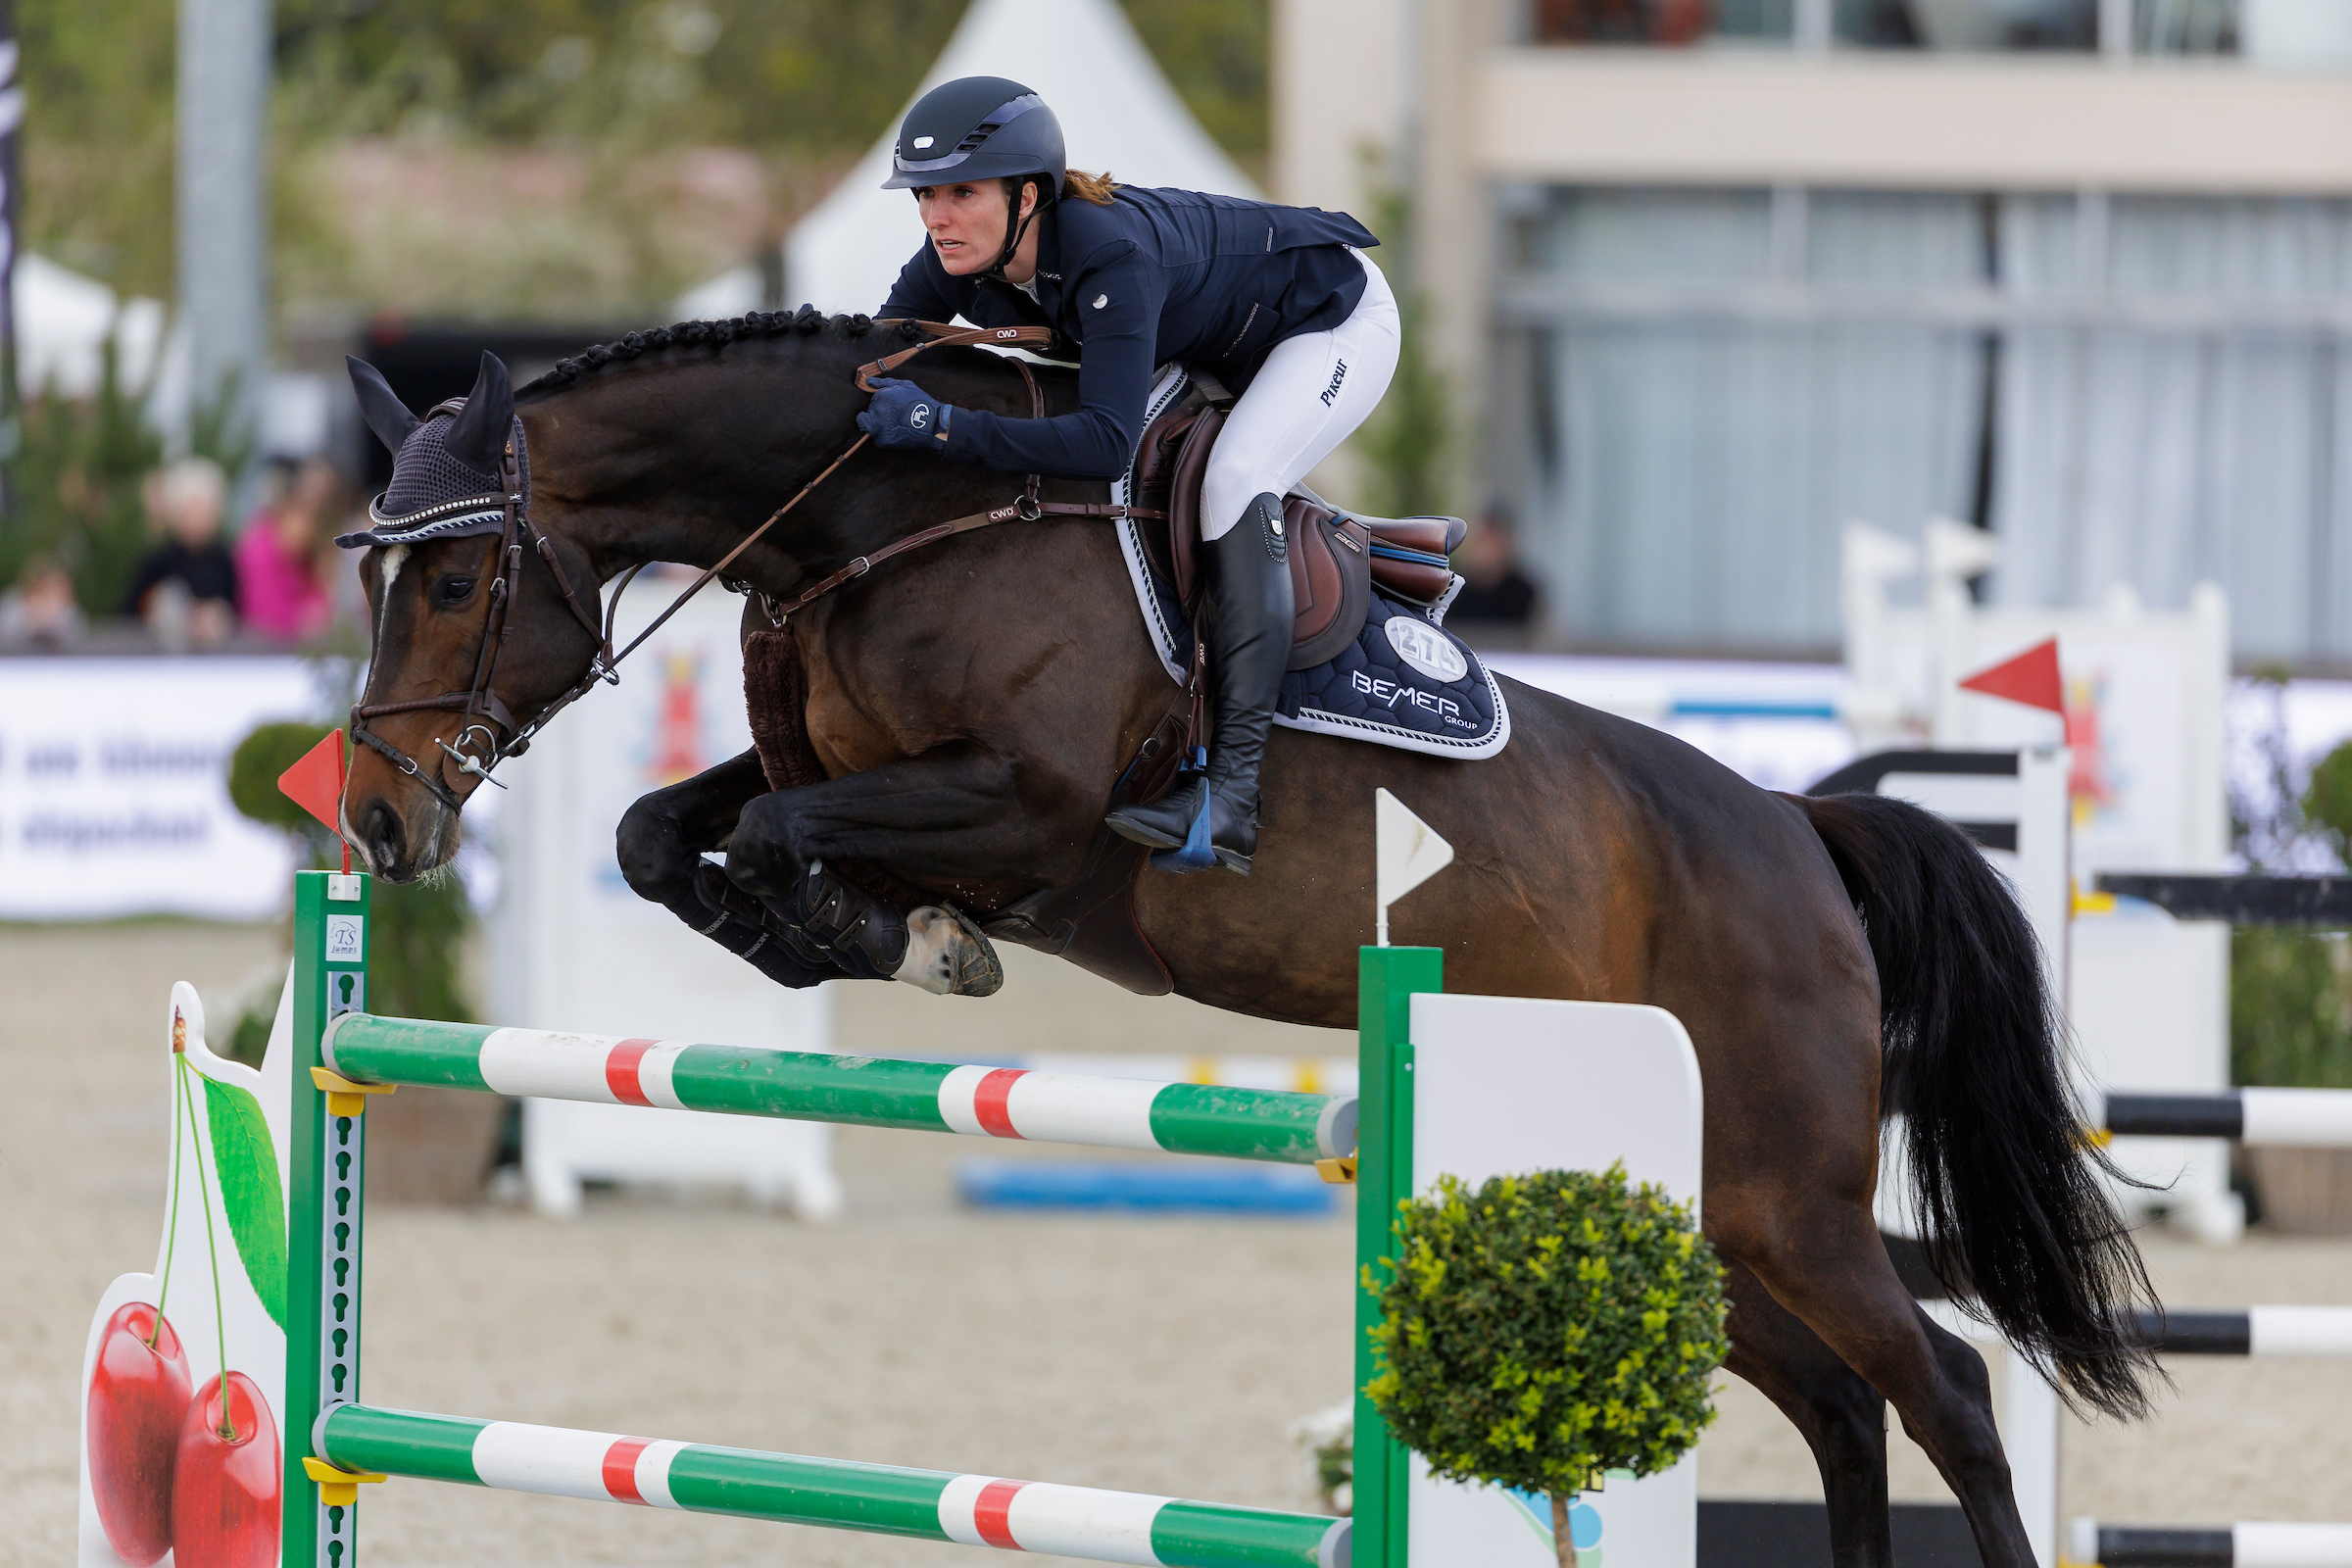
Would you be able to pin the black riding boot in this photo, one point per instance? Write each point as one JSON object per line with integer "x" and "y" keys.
{"x": 1247, "y": 618}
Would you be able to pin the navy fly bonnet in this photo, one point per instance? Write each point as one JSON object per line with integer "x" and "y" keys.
{"x": 445, "y": 466}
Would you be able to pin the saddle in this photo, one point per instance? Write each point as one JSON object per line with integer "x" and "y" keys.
{"x": 1336, "y": 557}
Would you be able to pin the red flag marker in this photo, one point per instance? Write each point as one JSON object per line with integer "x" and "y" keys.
{"x": 316, "y": 784}
{"x": 2031, "y": 678}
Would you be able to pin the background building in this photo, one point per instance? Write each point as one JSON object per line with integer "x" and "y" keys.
{"x": 1709, "y": 280}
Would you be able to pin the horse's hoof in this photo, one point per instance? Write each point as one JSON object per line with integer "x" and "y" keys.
{"x": 947, "y": 956}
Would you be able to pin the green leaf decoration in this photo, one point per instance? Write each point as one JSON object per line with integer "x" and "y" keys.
{"x": 252, "y": 1194}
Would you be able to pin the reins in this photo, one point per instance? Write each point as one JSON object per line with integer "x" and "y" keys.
{"x": 480, "y": 702}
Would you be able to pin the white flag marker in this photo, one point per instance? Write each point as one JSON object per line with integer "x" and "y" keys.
{"x": 1410, "y": 853}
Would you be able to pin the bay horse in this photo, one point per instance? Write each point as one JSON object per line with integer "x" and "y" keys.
{"x": 972, "y": 702}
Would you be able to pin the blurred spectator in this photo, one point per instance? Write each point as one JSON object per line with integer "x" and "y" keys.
{"x": 185, "y": 588}
{"x": 279, "y": 580}
{"x": 40, "y": 611}
{"x": 1493, "y": 588}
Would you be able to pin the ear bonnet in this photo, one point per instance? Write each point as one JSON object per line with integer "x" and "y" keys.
{"x": 445, "y": 467}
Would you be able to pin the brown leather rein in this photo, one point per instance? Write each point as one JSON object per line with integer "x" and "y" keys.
{"x": 488, "y": 717}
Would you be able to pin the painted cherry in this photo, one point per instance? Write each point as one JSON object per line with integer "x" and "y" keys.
{"x": 138, "y": 1397}
{"x": 225, "y": 1487}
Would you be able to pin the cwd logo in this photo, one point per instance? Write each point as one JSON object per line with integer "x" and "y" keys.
{"x": 1425, "y": 648}
{"x": 919, "y": 415}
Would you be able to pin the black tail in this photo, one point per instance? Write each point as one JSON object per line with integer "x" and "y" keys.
{"x": 2010, "y": 1202}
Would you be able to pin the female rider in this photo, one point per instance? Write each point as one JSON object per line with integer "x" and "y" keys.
{"x": 1277, "y": 303}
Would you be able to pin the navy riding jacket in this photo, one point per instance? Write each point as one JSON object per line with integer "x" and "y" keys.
{"x": 1157, "y": 277}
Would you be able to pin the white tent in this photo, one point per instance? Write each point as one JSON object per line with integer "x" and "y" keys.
{"x": 63, "y": 323}
{"x": 1118, "y": 112}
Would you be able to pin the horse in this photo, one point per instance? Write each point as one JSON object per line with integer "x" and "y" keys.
{"x": 972, "y": 702}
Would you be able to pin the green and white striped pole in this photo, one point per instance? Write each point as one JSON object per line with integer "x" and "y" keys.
{"x": 869, "y": 1091}
{"x": 976, "y": 1511}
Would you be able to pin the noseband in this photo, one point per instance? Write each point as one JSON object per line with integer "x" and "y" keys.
{"x": 491, "y": 727}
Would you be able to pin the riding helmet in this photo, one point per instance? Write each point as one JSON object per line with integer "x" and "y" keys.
{"x": 978, "y": 128}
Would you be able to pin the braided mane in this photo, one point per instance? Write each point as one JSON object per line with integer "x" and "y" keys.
{"x": 807, "y": 320}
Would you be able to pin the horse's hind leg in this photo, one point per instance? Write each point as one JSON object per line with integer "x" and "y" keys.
{"x": 1820, "y": 1256}
{"x": 1841, "y": 1417}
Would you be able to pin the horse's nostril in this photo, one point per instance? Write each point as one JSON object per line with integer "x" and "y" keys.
{"x": 384, "y": 837}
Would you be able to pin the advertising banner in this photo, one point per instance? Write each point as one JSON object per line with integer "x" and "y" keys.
{"x": 114, "y": 786}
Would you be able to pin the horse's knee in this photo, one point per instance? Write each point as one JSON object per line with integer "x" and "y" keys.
{"x": 652, "y": 848}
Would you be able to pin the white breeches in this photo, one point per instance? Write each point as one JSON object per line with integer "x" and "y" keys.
{"x": 1309, "y": 396}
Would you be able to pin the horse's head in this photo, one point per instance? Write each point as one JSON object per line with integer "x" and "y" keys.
{"x": 479, "y": 625}
{"x": 671, "y": 443}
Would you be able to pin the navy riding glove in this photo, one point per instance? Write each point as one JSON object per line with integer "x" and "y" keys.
{"x": 904, "y": 414}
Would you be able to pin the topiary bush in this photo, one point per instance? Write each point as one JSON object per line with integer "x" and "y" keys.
{"x": 1545, "y": 1329}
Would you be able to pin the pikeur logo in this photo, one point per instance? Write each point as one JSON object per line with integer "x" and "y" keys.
{"x": 1336, "y": 376}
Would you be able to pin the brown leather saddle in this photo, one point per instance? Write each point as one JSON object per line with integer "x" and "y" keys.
{"x": 1336, "y": 557}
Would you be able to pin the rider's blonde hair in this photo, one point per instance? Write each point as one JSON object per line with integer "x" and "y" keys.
{"x": 1096, "y": 188}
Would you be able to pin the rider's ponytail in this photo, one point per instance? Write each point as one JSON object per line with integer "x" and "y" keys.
{"x": 1096, "y": 188}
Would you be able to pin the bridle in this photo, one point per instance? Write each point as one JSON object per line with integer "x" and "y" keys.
{"x": 492, "y": 727}
{"x": 487, "y": 721}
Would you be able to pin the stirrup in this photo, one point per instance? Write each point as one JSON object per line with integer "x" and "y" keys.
{"x": 1195, "y": 853}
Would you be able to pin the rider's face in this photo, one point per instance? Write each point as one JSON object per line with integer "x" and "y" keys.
{"x": 966, "y": 222}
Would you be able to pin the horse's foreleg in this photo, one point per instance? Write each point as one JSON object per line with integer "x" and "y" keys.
{"x": 946, "y": 816}
{"x": 950, "y": 815}
{"x": 661, "y": 843}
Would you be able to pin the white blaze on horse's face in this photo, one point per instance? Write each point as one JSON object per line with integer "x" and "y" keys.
{"x": 387, "y": 572}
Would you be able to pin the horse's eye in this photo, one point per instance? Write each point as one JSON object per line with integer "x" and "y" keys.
{"x": 451, "y": 591}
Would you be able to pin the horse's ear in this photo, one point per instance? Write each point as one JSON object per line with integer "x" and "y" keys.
{"x": 379, "y": 404}
{"x": 479, "y": 436}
